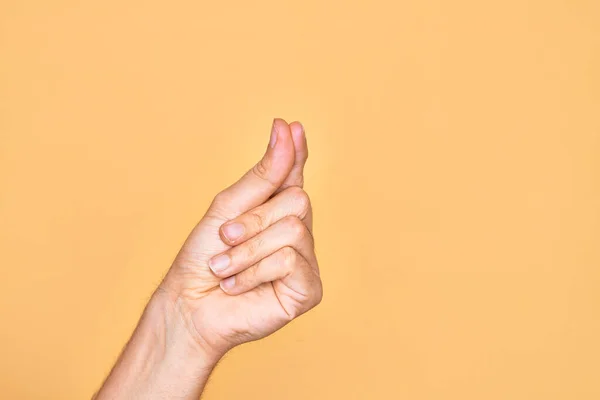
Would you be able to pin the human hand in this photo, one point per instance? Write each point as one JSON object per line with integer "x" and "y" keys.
{"x": 249, "y": 266}
{"x": 247, "y": 269}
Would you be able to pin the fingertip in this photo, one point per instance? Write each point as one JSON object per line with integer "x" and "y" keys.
{"x": 297, "y": 129}
{"x": 299, "y": 137}
{"x": 232, "y": 232}
{"x": 279, "y": 131}
{"x": 228, "y": 284}
{"x": 264, "y": 178}
{"x": 283, "y": 146}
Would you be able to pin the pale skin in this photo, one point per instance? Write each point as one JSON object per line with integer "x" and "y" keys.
{"x": 247, "y": 269}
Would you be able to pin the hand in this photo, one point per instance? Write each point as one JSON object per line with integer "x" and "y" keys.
{"x": 249, "y": 267}
{"x": 246, "y": 270}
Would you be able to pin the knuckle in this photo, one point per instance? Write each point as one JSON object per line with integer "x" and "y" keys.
{"x": 318, "y": 296}
{"x": 300, "y": 198}
{"x": 314, "y": 289}
{"x": 319, "y": 293}
{"x": 253, "y": 247}
{"x": 220, "y": 198}
{"x": 289, "y": 258}
{"x": 251, "y": 274}
{"x": 258, "y": 220}
{"x": 296, "y": 226}
{"x": 261, "y": 169}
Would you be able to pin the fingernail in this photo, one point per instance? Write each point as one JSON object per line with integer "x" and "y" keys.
{"x": 228, "y": 283}
{"x": 233, "y": 231}
{"x": 219, "y": 263}
{"x": 297, "y": 129}
{"x": 273, "y": 140}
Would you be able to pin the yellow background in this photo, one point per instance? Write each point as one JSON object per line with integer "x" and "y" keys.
{"x": 454, "y": 170}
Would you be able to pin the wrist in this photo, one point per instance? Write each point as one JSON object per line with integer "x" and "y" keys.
{"x": 163, "y": 357}
{"x": 170, "y": 316}
{"x": 200, "y": 320}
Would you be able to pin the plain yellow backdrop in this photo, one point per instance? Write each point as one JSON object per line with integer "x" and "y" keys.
{"x": 454, "y": 171}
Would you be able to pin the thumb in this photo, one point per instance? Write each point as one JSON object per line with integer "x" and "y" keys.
{"x": 296, "y": 176}
{"x": 262, "y": 180}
